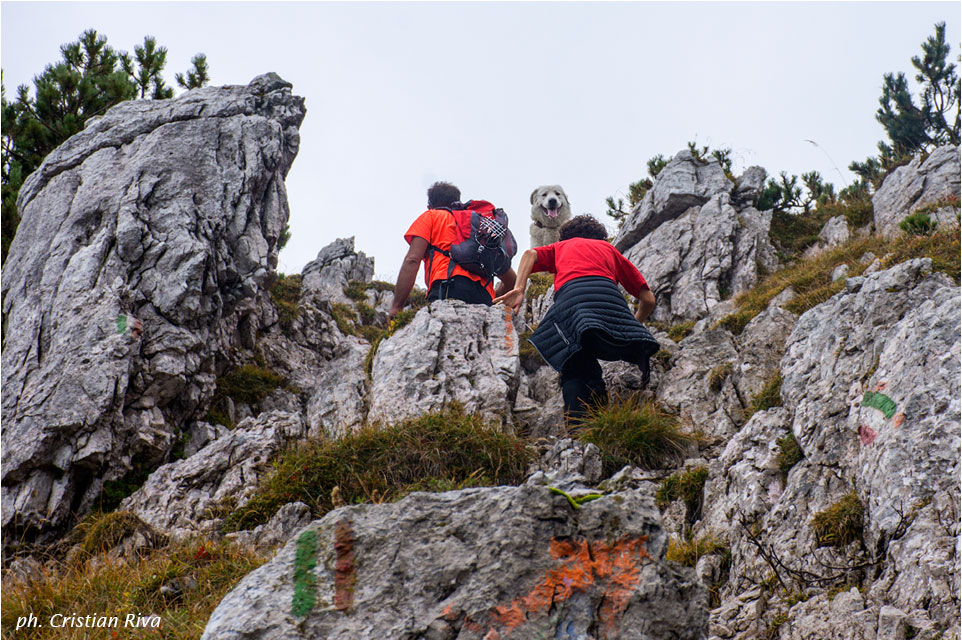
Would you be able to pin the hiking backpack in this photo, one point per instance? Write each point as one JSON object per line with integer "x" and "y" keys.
{"x": 483, "y": 244}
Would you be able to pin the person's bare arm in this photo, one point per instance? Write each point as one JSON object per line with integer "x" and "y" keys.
{"x": 646, "y": 304}
{"x": 508, "y": 279}
{"x": 515, "y": 297}
{"x": 408, "y": 274}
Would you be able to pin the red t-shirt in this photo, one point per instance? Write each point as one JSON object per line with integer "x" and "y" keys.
{"x": 438, "y": 228}
{"x": 577, "y": 257}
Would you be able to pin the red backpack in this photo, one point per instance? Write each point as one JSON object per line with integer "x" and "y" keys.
{"x": 483, "y": 244}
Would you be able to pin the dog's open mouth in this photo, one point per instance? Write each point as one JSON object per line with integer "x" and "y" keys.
{"x": 551, "y": 213}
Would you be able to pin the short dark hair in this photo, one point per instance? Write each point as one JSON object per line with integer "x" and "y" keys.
{"x": 442, "y": 194}
{"x": 584, "y": 226}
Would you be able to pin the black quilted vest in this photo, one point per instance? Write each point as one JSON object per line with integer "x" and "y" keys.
{"x": 592, "y": 303}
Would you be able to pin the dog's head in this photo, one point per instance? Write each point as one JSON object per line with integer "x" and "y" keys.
{"x": 550, "y": 205}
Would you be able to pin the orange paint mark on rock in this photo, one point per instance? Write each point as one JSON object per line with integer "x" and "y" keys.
{"x": 345, "y": 572}
{"x": 508, "y": 328}
{"x": 899, "y": 419}
{"x": 881, "y": 386}
{"x": 613, "y": 570}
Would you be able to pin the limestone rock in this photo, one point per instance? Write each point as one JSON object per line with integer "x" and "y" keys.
{"x": 511, "y": 562}
{"x": 191, "y": 496}
{"x": 834, "y": 233}
{"x": 451, "y": 352}
{"x": 686, "y": 387}
{"x": 746, "y": 476}
{"x": 847, "y": 616}
{"x": 683, "y": 183}
{"x": 705, "y": 255}
{"x": 567, "y": 463}
{"x": 749, "y": 186}
{"x": 336, "y": 265}
{"x": 144, "y": 240}
{"x": 917, "y": 184}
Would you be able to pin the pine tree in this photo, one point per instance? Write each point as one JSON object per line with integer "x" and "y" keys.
{"x": 151, "y": 61}
{"x": 941, "y": 88}
{"x": 196, "y": 77}
{"x": 90, "y": 78}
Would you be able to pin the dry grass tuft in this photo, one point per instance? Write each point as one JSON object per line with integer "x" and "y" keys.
{"x": 438, "y": 451}
{"x": 181, "y": 584}
{"x": 629, "y": 432}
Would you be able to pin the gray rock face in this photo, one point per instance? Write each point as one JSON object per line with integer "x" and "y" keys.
{"x": 479, "y": 563}
{"x": 749, "y": 186}
{"x": 451, "y": 352}
{"x": 144, "y": 239}
{"x": 335, "y": 266}
{"x": 916, "y": 185}
{"x": 708, "y": 254}
{"x": 833, "y": 234}
{"x": 190, "y": 496}
{"x": 870, "y": 395}
{"x": 683, "y": 183}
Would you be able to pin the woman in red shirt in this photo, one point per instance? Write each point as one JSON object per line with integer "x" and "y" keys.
{"x": 589, "y": 319}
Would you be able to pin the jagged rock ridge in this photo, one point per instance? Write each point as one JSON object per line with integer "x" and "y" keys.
{"x": 133, "y": 299}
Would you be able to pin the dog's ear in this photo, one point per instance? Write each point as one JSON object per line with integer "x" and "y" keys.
{"x": 533, "y": 194}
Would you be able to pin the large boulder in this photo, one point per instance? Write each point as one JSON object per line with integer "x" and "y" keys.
{"x": 706, "y": 255}
{"x": 507, "y": 562}
{"x": 683, "y": 183}
{"x": 932, "y": 181}
{"x": 452, "y": 352}
{"x": 143, "y": 243}
{"x": 191, "y": 496}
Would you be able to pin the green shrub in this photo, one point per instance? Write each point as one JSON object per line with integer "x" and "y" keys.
{"x": 530, "y": 358}
{"x": 789, "y": 453}
{"x": 356, "y": 290}
{"x": 716, "y": 378}
{"x": 285, "y": 293}
{"x": 680, "y": 331}
{"x": 345, "y": 318}
{"x": 841, "y": 523}
{"x": 918, "y": 224}
{"x": 248, "y": 384}
{"x": 688, "y": 552}
{"x": 444, "y": 449}
{"x": 768, "y": 397}
{"x": 687, "y": 486}
{"x": 629, "y": 432}
{"x": 367, "y": 313}
{"x": 538, "y": 285}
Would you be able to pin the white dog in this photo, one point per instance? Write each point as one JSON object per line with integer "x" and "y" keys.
{"x": 550, "y": 209}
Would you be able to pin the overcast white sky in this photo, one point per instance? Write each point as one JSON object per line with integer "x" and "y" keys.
{"x": 500, "y": 98}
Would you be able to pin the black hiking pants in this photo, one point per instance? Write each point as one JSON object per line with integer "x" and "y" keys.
{"x": 460, "y": 288}
{"x": 582, "y": 382}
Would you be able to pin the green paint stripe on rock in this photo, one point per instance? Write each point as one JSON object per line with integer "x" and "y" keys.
{"x": 305, "y": 594}
{"x": 880, "y": 402}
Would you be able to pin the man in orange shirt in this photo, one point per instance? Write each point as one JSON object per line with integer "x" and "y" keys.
{"x": 436, "y": 228}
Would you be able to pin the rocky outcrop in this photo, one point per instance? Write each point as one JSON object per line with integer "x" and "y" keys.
{"x": 451, "y": 352}
{"x": 931, "y": 181}
{"x": 683, "y": 183}
{"x": 336, "y": 265}
{"x": 869, "y": 392}
{"x": 192, "y": 496}
{"x": 144, "y": 240}
{"x": 481, "y": 563}
{"x": 834, "y": 233}
{"x": 706, "y": 255}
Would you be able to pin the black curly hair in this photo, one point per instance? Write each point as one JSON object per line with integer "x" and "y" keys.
{"x": 442, "y": 194}
{"x": 585, "y": 226}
